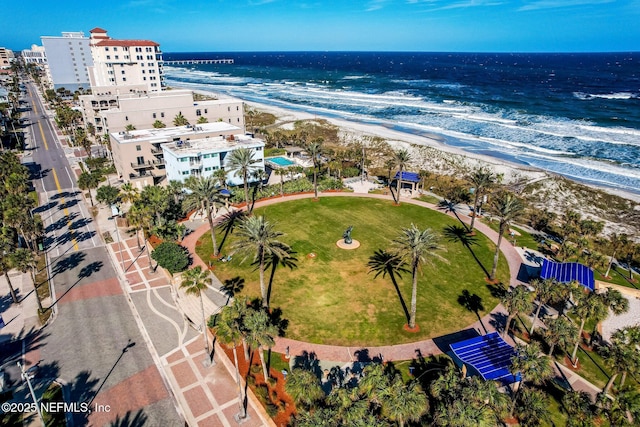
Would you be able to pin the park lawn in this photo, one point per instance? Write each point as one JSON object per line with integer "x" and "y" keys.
{"x": 331, "y": 298}
{"x": 617, "y": 275}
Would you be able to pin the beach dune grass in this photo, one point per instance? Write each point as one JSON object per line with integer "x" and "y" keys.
{"x": 332, "y": 298}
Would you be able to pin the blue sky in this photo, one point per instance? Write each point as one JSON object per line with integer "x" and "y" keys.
{"x": 366, "y": 25}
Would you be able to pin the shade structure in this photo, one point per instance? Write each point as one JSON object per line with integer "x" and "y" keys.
{"x": 408, "y": 176}
{"x": 489, "y": 355}
{"x": 567, "y": 272}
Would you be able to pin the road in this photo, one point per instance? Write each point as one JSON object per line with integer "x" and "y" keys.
{"x": 93, "y": 344}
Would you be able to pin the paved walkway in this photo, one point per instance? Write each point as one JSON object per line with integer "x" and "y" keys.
{"x": 493, "y": 321}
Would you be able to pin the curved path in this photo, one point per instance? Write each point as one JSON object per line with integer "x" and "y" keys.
{"x": 489, "y": 322}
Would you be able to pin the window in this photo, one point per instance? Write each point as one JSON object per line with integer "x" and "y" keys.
{"x": 184, "y": 159}
{"x": 206, "y": 156}
{"x": 154, "y": 115}
{"x": 237, "y": 108}
{"x": 185, "y": 172}
{"x": 208, "y": 168}
{"x": 161, "y": 114}
{"x": 106, "y": 49}
{"x": 126, "y": 118}
{"x": 258, "y": 148}
{"x": 198, "y": 113}
{"x": 144, "y": 78}
{"x": 228, "y": 108}
{"x": 142, "y": 71}
{"x": 117, "y": 57}
{"x": 108, "y": 56}
{"x": 124, "y": 79}
{"x": 205, "y": 111}
{"x": 115, "y": 48}
{"x": 122, "y": 71}
{"x": 138, "y": 147}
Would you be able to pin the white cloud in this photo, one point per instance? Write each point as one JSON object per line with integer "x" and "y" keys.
{"x": 555, "y": 4}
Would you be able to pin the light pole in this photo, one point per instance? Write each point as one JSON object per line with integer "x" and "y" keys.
{"x": 25, "y": 376}
{"x": 115, "y": 213}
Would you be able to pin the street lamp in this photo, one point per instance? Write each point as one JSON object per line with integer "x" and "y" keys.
{"x": 115, "y": 213}
{"x": 25, "y": 376}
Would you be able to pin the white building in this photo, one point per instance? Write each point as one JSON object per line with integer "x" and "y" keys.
{"x": 68, "y": 57}
{"x": 203, "y": 156}
{"x": 36, "y": 55}
{"x": 139, "y": 158}
{"x": 124, "y": 62}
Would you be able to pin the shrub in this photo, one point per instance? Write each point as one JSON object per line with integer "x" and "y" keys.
{"x": 171, "y": 256}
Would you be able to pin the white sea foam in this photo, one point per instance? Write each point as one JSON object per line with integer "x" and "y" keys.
{"x": 618, "y": 95}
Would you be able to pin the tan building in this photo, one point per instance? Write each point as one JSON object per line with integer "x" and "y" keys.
{"x": 138, "y": 155}
{"x": 6, "y": 57}
{"x": 114, "y": 112}
{"x": 124, "y": 62}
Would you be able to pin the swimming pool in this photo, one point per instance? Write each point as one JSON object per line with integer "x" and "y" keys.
{"x": 280, "y": 161}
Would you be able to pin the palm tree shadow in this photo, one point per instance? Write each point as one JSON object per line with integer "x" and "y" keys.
{"x": 451, "y": 206}
{"x": 456, "y": 233}
{"x": 274, "y": 261}
{"x": 232, "y": 287}
{"x": 228, "y": 223}
{"x": 139, "y": 419}
{"x": 383, "y": 262}
{"x": 473, "y": 303}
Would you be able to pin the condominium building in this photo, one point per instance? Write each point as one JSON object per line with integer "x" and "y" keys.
{"x": 68, "y": 57}
{"x": 124, "y": 62}
{"x": 139, "y": 158}
{"x": 131, "y": 106}
{"x": 203, "y": 156}
{"x": 36, "y": 55}
{"x": 6, "y": 56}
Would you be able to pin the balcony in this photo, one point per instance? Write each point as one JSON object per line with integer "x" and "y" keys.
{"x": 148, "y": 164}
{"x": 156, "y": 151}
{"x": 195, "y": 165}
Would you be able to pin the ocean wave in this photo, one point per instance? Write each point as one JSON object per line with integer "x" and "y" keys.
{"x": 618, "y": 95}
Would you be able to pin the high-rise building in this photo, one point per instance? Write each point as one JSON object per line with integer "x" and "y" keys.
{"x": 35, "y": 55}
{"x": 68, "y": 57}
{"x": 124, "y": 63}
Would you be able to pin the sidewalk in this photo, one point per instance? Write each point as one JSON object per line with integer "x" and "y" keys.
{"x": 22, "y": 317}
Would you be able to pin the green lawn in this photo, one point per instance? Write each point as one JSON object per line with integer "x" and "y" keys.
{"x": 332, "y": 299}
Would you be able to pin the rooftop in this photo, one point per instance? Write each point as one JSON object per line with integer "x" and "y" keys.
{"x": 170, "y": 133}
{"x": 198, "y": 146}
{"x": 129, "y": 43}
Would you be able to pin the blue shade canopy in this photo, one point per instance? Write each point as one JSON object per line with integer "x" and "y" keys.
{"x": 567, "y": 272}
{"x": 225, "y": 192}
{"x": 408, "y": 176}
{"x": 489, "y": 355}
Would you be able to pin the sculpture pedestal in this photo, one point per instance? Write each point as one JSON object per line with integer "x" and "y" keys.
{"x": 353, "y": 245}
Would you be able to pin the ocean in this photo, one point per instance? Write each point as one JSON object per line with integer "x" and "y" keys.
{"x": 577, "y": 115}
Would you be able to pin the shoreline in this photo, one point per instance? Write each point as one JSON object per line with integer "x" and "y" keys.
{"x": 429, "y": 141}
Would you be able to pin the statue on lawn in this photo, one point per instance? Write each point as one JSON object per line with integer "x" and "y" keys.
{"x": 347, "y": 235}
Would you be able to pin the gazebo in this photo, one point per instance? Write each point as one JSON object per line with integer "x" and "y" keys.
{"x": 410, "y": 178}
{"x": 293, "y": 151}
{"x": 567, "y": 272}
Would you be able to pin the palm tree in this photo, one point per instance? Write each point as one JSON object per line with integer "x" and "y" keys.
{"x": 156, "y": 199}
{"x": 577, "y": 405}
{"x": 24, "y": 260}
{"x": 383, "y": 262}
{"x": 194, "y": 282}
{"x": 180, "y": 120}
{"x": 220, "y": 175}
{"x": 260, "y": 332}
{"x": 560, "y": 332}
{"x": 517, "y": 300}
{"x": 204, "y": 194}
{"x": 315, "y": 150}
{"x": 281, "y": 172}
{"x": 229, "y": 331}
{"x": 621, "y": 355}
{"x": 482, "y": 179}
{"x": 533, "y": 367}
{"x": 506, "y": 206}
{"x": 128, "y": 193}
{"x": 140, "y": 217}
{"x": 616, "y": 241}
{"x": 588, "y": 306}
{"x": 545, "y": 291}
{"x": 414, "y": 247}
{"x": 258, "y": 236}
{"x": 88, "y": 181}
{"x": 533, "y": 408}
{"x": 400, "y": 158}
{"x": 243, "y": 162}
{"x": 303, "y": 387}
{"x": 7, "y": 246}
{"x": 402, "y": 402}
